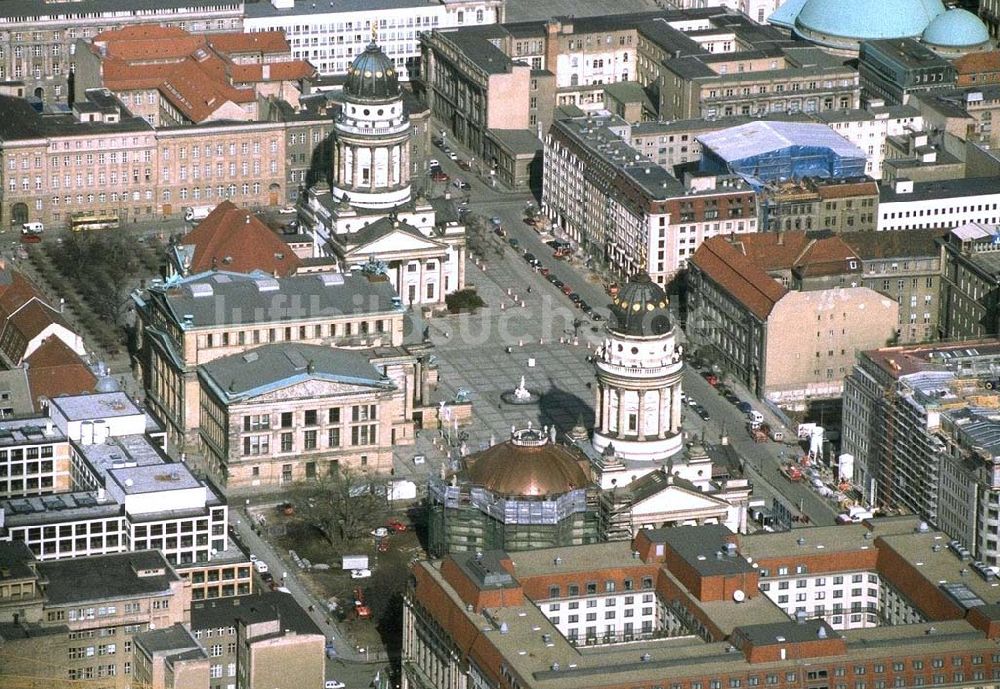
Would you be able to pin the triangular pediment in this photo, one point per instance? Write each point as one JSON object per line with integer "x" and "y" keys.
{"x": 676, "y": 498}
{"x": 311, "y": 389}
{"x": 396, "y": 241}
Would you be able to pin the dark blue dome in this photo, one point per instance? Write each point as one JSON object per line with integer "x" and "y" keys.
{"x": 640, "y": 309}
{"x": 372, "y": 75}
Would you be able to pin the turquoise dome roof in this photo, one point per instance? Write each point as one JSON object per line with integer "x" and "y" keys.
{"x": 956, "y": 28}
{"x": 868, "y": 19}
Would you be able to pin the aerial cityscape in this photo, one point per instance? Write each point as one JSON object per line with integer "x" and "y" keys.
{"x": 495, "y": 344}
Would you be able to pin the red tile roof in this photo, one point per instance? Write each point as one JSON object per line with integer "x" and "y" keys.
{"x": 986, "y": 61}
{"x": 24, "y": 314}
{"x": 193, "y": 73}
{"x": 264, "y": 42}
{"x": 54, "y": 369}
{"x": 233, "y": 239}
{"x": 739, "y": 276}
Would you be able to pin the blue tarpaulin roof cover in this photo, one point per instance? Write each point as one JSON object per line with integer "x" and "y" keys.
{"x": 765, "y": 151}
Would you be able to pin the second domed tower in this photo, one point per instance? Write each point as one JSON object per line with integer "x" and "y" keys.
{"x": 638, "y": 405}
{"x": 371, "y": 159}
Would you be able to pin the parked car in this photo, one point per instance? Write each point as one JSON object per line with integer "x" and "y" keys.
{"x": 703, "y": 413}
{"x": 558, "y": 283}
{"x": 360, "y": 573}
{"x": 31, "y": 238}
{"x": 513, "y": 243}
{"x": 396, "y": 525}
{"x": 465, "y": 165}
{"x": 267, "y": 577}
{"x": 260, "y": 566}
{"x": 744, "y": 407}
{"x": 543, "y": 271}
{"x": 596, "y": 317}
{"x": 440, "y": 176}
{"x": 586, "y": 308}
{"x": 574, "y": 297}
{"x": 529, "y": 257}
{"x": 333, "y": 684}
{"x": 433, "y": 163}
{"x": 452, "y": 155}
{"x": 499, "y": 232}
{"x": 567, "y": 290}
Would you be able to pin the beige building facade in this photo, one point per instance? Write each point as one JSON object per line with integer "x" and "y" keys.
{"x": 212, "y": 315}
{"x": 287, "y": 413}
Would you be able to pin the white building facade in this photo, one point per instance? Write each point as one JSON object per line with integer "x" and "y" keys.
{"x": 944, "y": 204}
{"x": 331, "y": 36}
{"x": 638, "y": 403}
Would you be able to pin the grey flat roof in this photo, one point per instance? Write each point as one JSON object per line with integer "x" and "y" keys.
{"x": 36, "y": 430}
{"x": 703, "y": 547}
{"x": 174, "y": 638}
{"x": 60, "y": 508}
{"x": 154, "y": 478}
{"x": 106, "y": 577}
{"x": 264, "y": 368}
{"x": 475, "y": 45}
{"x": 118, "y": 451}
{"x": 518, "y": 140}
{"x": 594, "y": 134}
{"x": 259, "y": 607}
{"x": 19, "y": 120}
{"x": 42, "y": 8}
{"x": 942, "y": 189}
{"x": 220, "y": 298}
{"x": 786, "y": 632}
{"x": 14, "y": 559}
{"x": 95, "y": 405}
{"x": 263, "y": 8}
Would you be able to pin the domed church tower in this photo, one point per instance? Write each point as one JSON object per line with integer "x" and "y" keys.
{"x": 638, "y": 405}
{"x": 371, "y": 159}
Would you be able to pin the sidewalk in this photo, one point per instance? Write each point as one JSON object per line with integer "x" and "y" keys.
{"x": 281, "y": 568}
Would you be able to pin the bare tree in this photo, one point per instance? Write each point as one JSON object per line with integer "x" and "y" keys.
{"x": 343, "y": 505}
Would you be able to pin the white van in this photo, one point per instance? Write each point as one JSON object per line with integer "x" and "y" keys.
{"x": 260, "y": 565}
{"x": 755, "y": 417}
{"x": 32, "y": 228}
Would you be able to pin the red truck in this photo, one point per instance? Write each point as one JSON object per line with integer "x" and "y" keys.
{"x": 791, "y": 472}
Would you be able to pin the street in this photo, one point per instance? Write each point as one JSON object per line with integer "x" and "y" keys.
{"x": 350, "y": 665}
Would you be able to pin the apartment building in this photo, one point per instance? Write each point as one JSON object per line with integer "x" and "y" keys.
{"x": 330, "y": 37}
{"x": 975, "y": 69}
{"x": 714, "y": 589}
{"x": 870, "y": 127}
{"x": 966, "y": 113}
{"x": 756, "y": 82}
{"x": 604, "y": 196}
{"x": 285, "y": 413}
{"x": 37, "y": 38}
{"x": 98, "y": 159}
{"x": 819, "y": 203}
{"x": 204, "y": 317}
{"x": 202, "y": 165}
{"x": 263, "y": 640}
{"x": 78, "y": 620}
{"x": 939, "y": 204}
{"x": 906, "y": 267}
{"x": 893, "y": 69}
{"x": 970, "y": 279}
{"x": 750, "y": 298}
{"x": 920, "y": 423}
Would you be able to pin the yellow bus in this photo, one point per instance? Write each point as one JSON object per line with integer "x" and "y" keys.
{"x": 81, "y": 222}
